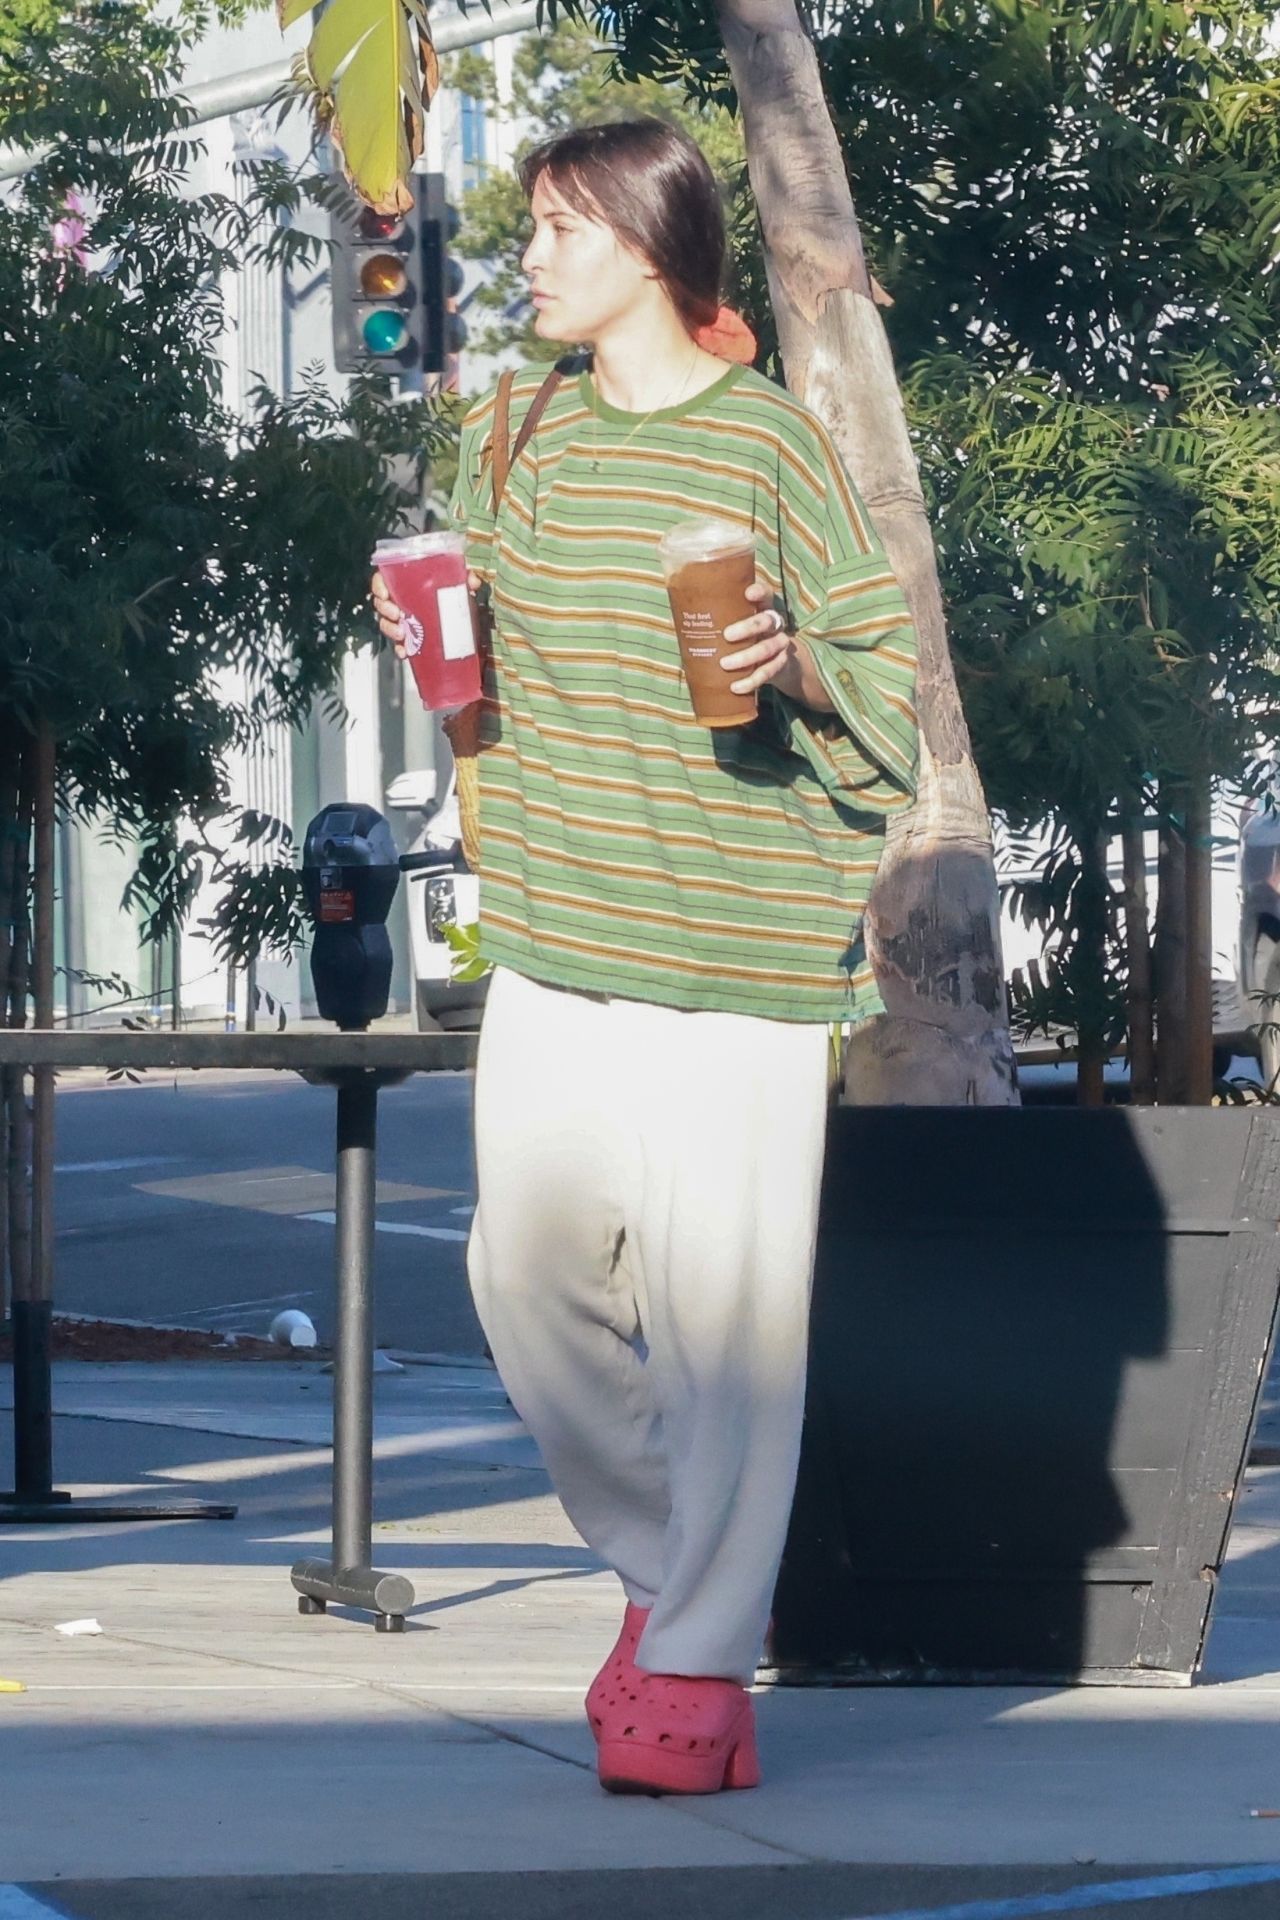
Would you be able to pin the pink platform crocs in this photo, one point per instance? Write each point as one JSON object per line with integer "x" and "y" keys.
{"x": 666, "y": 1733}
{"x": 619, "y": 1672}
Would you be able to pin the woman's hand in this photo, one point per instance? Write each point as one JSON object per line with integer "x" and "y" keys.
{"x": 390, "y": 621}
{"x": 777, "y": 656}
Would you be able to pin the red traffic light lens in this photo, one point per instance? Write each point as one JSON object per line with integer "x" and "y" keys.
{"x": 380, "y": 226}
{"x": 383, "y": 277}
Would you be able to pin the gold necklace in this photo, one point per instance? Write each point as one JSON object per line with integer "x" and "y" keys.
{"x": 595, "y": 417}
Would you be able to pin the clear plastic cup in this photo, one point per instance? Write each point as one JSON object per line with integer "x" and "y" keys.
{"x": 426, "y": 574}
{"x": 708, "y": 565}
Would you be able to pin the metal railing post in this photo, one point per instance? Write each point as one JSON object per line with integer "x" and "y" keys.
{"x": 353, "y": 1346}
{"x": 349, "y": 1578}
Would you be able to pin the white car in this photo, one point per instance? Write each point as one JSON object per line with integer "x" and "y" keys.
{"x": 442, "y": 892}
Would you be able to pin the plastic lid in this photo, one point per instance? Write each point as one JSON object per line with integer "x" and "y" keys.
{"x": 704, "y": 538}
{"x": 415, "y": 545}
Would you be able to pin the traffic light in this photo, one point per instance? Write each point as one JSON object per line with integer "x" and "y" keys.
{"x": 393, "y": 283}
{"x": 444, "y": 329}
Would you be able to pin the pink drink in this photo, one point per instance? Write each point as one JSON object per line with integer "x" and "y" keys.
{"x": 426, "y": 575}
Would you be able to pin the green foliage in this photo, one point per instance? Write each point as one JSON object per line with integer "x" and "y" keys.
{"x": 1080, "y": 982}
{"x": 1114, "y": 575}
{"x": 156, "y": 549}
{"x": 29, "y": 27}
{"x": 1089, "y": 185}
{"x": 1076, "y": 211}
{"x": 464, "y": 944}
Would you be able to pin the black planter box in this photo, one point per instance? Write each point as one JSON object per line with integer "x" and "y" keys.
{"x": 1038, "y": 1345}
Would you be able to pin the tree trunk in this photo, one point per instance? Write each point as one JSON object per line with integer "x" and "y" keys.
{"x": 933, "y": 932}
{"x": 1199, "y": 947}
{"x": 1171, "y": 951}
{"x": 1137, "y": 941}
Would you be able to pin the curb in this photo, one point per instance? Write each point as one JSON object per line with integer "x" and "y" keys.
{"x": 407, "y": 1356}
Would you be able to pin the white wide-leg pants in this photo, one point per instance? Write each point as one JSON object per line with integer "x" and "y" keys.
{"x": 641, "y": 1261}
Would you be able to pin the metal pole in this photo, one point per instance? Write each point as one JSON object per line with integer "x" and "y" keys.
{"x": 1170, "y": 953}
{"x": 349, "y": 1579}
{"x": 1137, "y": 941}
{"x": 353, "y": 1356}
{"x": 156, "y": 968}
{"x": 33, "y": 1317}
{"x": 215, "y": 99}
{"x": 73, "y": 920}
{"x": 1199, "y": 949}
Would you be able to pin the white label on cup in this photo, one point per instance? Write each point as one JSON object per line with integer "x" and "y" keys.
{"x": 457, "y": 637}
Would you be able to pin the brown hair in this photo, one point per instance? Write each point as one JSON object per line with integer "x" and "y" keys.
{"x": 652, "y": 184}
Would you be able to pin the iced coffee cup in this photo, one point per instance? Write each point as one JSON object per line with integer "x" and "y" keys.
{"x": 708, "y": 565}
{"x": 426, "y": 575}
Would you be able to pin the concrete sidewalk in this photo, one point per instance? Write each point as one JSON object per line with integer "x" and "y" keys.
{"x": 212, "y": 1749}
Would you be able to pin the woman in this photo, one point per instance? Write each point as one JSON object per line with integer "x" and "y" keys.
{"x": 674, "y": 920}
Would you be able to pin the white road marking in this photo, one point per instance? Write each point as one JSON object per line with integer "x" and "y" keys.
{"x": 118, "y": 1166}
{"x": 17, "y": 1905}
{"x": 1103, "y": 1893}
{"x": 478, "y": 1686}
{"x": 394, "y": 1226}
{"x": 191, "y": 1686}
{"x": 235, "y": 1306}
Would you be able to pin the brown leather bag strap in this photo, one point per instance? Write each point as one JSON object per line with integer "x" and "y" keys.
{"x": 501, "y": 463}
{"x": 505, "y": 456}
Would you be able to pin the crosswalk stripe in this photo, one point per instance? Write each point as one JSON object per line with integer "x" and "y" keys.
{"x": 395, "y": 1226}
{"x": 1105, "y": 1893}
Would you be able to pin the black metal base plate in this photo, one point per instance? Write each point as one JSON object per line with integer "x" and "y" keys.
{"x": 65, "y": 1511}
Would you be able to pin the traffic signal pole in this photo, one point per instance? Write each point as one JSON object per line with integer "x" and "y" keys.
{"x": 215, "y": 99}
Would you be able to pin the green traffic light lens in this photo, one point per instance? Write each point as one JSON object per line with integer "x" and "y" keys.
{"x": 384, "y": 332}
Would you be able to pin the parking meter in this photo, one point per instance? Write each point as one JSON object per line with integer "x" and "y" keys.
{"x": 350, "y": 871}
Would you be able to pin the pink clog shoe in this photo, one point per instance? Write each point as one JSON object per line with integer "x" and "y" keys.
{"x": 619, "y": 1671}
{"x": 671, "y": 1734}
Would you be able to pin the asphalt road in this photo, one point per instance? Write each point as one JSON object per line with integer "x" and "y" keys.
{"x": 820, "y": 1892}
{"x": 208, "y": 1202}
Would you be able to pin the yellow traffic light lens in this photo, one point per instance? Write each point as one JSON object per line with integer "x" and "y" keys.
{"x": 384, "y": 331}
{"x": 383, "y": 277}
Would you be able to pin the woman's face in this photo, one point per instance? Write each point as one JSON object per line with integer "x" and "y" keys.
{"x": 582, "y": 276}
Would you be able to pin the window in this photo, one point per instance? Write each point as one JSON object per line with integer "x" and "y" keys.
{"x": 475, "y": 130}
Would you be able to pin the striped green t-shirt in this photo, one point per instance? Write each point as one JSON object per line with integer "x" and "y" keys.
{"x": 625, "y": 849}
